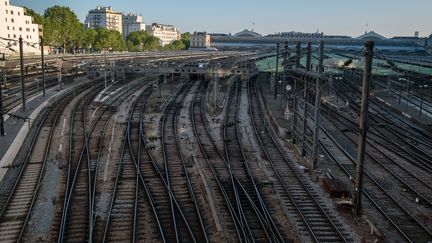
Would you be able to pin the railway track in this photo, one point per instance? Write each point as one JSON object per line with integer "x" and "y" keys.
{"x": 313, "y": 217}
{"x": 393, "y": 125}
{"x": 252, "y": 211}
{"x": 16, "y": 210}
{"x": 216, "y": 170}
{"x": 403, "y": 222}
{"x": 121, "y": 226}
{"x": 13, "y": 98}
{"x": 75, "y": 224}
{"x": 417, "y": 180}
{"x": 154, "y": 181}
{"x": 78, "y": 216}
{"x": 177, "y": 176}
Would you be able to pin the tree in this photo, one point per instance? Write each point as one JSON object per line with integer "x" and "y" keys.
{"x": 109, "y": 40}
{"x": 142, "y": 40}
{"x": 89, "y": 38}
{"x": 135, "y": 38}
{"x": 185, "y": 38}
{"x": 61, "y": 27}
{"x": 151, "y": 43}
{"x": 37, "y": 18}
{"x": 175, "y": 45}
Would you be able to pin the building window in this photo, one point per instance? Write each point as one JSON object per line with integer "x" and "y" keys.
{"x": 11, "y": 12}
{"x": 12, "y": 20}
{"x": 13, "y": 27}
{"x": 8, "y": 27}
{"x": 5, "y": 19}
{"x": 6, "y": 3}
{"x": 14, "y": 36}
{"x": 18, "y": 13}
{"x": 7, "y": 11}
{"x": 8, "y": 36}
{"x": 20, "y": 28}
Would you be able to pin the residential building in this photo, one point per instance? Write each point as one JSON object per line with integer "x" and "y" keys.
{"x": 166, "y": 33}
{"x": 132, "y": 23}
{"x": 14, "y": 24}
{"x": 104, "y": 17}
{"x": 200, "y": 40}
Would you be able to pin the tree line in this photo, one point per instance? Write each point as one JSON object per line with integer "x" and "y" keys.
{"x": 63, "y": 31}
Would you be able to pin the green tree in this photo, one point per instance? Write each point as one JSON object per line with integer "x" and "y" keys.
{"x": 37, "y": 18}
{"x": 89, "y": 38}
{"x": 175, "y": 45}
{"x": 151, "y": 43}
{"x": 135, "y": 38}
{"x": 61, "y": 27}
{"x": 109, "y": 40}
{"x": 142, "y": 40}
{"x": 185, "y": 38}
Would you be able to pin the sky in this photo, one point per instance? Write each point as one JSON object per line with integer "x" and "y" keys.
{"x": 333, "y": 17}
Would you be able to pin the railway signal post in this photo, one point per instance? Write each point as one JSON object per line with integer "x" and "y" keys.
{"x": 318, "y": 103}
{"x": 277, "y": 71}
{"x": 22, "y": 73}
{"x": 43, "y": 65}
{"x": 2, "y": 131}
{"x": 308, "y": 56}
{"x": 363, "y": 125}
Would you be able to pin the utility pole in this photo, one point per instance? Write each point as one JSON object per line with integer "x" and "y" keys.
{"x": 298, "y": 54}
{"x": 2, "y": 131}
{"x": 59, "y": 75}
{"x": 277, "y": 71}
{"x": 318, "y": 103}
{"x": 4, "y": 78}
{"x": 308, "y": 56}
{"x": 43, "y": 65}
{"x": 105, "y": 61}
{"x": 215, "y": 86}
{"x": 22, "y": 73}
{"x": 303, "y": 153}
{"x": 363, "y": 125}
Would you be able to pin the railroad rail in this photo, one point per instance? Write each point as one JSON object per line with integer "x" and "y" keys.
{"x": 15, "y": 212}
{"x": 216, "y": 168}
{"x": 177, "y": 176}
{"x": 253, "y": 212}
{"x": 297, "y": 193}
{"x": 396, "y": 214}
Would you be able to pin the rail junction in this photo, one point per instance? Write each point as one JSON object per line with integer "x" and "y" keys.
{"x": 209, "y": 147}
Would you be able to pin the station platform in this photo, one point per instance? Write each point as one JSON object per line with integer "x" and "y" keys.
{"x": 408, "y": 110}
{"x": 16, "y": 130}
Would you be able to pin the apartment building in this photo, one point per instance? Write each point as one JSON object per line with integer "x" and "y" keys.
{"x": 14, "y": 24}
{"x": 132, "y": 23}
{"x": 166, "y": 33}
{"x": 200, "y": 40}
{"x": 104, "y": 17}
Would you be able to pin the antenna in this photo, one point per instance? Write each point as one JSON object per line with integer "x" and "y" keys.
{"x": 253, "y": 26}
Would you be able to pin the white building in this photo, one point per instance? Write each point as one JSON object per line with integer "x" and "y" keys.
{"x": 104, "y": 17}
{"x": 132, "y": 23}
{"x": 166, "y": 33}
{"x": 200, "y": 40}
{"x": 13, "y": 24}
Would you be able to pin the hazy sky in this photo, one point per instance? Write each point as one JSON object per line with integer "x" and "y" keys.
{"x": 350, "y": 17}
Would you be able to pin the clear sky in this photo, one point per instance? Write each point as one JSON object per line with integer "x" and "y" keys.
{"x": 344, "y": 17}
